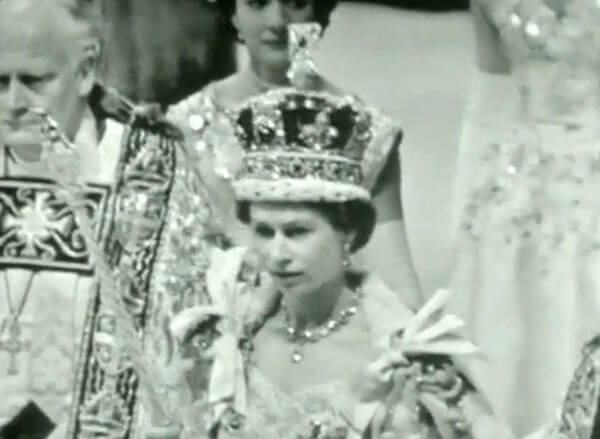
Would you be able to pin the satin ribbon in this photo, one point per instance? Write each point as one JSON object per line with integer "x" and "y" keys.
{"x": 433, "y": 332}
{"x": 227, "y": 385}
{"x": 430, "y": 331}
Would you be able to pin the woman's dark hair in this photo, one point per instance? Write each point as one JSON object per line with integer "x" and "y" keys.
{"x": 349, "y": 216}
{"x": 322, "y": 8}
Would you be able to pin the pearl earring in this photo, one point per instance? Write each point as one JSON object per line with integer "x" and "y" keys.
{"x": 347, "y": 262}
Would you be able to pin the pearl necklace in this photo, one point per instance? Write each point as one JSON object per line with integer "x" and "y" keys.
{"x": 312, "y": 335}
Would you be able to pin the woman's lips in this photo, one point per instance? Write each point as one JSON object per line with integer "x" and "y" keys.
{"x": 287, "y": 276}
{"x": 280, "y": 43}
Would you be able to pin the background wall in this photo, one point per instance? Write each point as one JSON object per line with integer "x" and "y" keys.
{"x": 416, "y": 66}
{"x": 174, "y": 47}
{"x": 165, "y": 48}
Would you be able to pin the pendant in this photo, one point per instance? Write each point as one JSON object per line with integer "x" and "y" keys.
{"x": 304, "y": 39}
{"x": 297, "y": 356}
{"x": 14, "y": 345}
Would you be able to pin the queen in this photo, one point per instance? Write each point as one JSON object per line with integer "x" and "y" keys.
{"x": 293, "y": 341}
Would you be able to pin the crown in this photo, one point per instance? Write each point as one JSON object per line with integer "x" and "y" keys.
{"x": 302, "y": 146}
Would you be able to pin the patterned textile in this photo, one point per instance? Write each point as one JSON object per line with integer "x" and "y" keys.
{"x": 580, "y": 418}
{"x": 67, "y": 358}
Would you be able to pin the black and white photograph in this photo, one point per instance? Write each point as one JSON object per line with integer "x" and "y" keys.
{"x": 299, "y": 219}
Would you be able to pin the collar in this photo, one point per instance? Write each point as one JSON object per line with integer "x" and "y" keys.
{"x": 98, "y": 142}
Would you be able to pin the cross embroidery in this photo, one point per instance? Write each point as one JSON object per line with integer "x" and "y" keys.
{"x": 13, "y": 345}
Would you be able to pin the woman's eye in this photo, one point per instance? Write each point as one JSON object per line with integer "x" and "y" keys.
{"x": 264, "y": 231}
{"x": 295, "y": 232}
{"x": 256, "y": 4}
{"x": 298, "y": 4}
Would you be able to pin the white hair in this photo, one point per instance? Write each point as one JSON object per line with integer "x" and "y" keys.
{"x": 86, "y": 14}
{"x": 80, "y": 21}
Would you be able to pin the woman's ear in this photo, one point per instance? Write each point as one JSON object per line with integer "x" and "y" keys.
{"x": 349, "y": 241}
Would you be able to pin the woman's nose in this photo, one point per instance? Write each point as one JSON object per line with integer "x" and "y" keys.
{"x": 276, "y": 15}
{"x": 279, "y": 253}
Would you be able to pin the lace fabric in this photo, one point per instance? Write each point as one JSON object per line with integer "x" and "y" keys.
{"x": 272, "y": 414}
{"x": 531, "y": 180}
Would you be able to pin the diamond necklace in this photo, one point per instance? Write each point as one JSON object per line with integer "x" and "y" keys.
{"x": 299, "y": 337}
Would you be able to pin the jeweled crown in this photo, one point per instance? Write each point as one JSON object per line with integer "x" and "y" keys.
{"x": 299, "y": 144}
{"x": 302, "y": 146}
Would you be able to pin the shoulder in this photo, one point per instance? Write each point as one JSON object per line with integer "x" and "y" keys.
{"x": 196, "y": 103}
{"x": 218, "y": 95}
{"x": 204, "y": 105}
{"x": 108, "y": 103}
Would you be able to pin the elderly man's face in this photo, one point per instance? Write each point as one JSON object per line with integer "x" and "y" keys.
{"x": 41, "y": 65}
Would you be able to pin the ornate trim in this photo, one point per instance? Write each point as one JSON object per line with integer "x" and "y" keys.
{"x": 580, "y": 409}
{"x": 106, "y": 386}
{"x": 284, "y": 165}
{"x": 37, "y": 230}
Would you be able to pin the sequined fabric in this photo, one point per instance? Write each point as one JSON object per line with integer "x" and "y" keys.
{"x": 540, "y": 176}
{"x": 273, "y": 414}
{"x": 210, "y": 157}
{"x": 526, "y": 207}
{"x": 527, "y": 193}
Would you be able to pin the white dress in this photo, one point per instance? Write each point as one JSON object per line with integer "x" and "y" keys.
{"x": 527, "y": 210}
{"x": 229, "y": 379}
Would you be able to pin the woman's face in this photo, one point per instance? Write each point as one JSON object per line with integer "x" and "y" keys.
{"x": 297, "y": 245}
{"x": 262, "y": 25}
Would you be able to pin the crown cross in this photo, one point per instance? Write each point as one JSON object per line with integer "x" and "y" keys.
{"x": 319, "y": 134}
{"x": 304, "y": 39}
